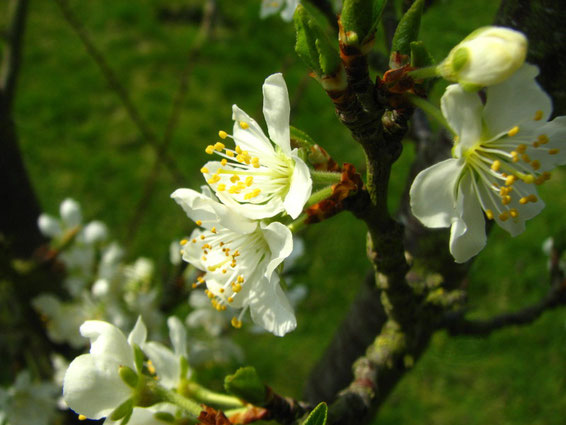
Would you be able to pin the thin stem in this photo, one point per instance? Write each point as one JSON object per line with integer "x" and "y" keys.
{"x": 207, "y": 396}
{"x": 325, "y": 177}
{"x": 184, "y": 403}
{"x": 422, "y": 73}
{"x": 431, "y": 110}
{"x": 298, "y": 225}
{"x": 318, "y": 196}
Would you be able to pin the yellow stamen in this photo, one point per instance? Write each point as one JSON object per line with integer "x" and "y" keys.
{"x": 224, "y": 161}
{"x": 249, "y": 181}
{"x": 214, "y": 179}
{"x": 489, "y": 214}
{"x": 213, "y": 230}
{"x": 221, "y": 187}
{"x": 546, "y": 175}
{"x": 526, "y": 158}
{"x": 230, "y": 299}
{"x": 236, "y": 323}
{"x": 221, "y": 290}
{"x": 82, "y": 418}
{"x": 523, "y": 200}
{"x": 240, "y": 279}
{"x": 536, "y": 144}
{"x": 194, "y": 241}
{"x": 198, "y": 223}
{"x": 238, "y": 150}
{"x": 234, "y": 179}
{"x": 514, "y": 213}
{"x": 209, "y": 149}
{"x": 510, "y": 180}
{"x": 506, "y": 200}
{"x": 532, "y": 198}
{"x": 496, "y": 165}
{"x": 543, "y": 139}
{"x": 244, "y": 125}
{"x": 222, "y": 134}
{"x": 150, "y": 367}
{"x": 201, "y": 237}
{"x": 204, "y": 170}
{"x": 538, "y": 115}
{"x": 203, "y": 258}
{"x": 513, "y": 131}
{"x": 553, "y": 151}
{"x": 521, "y": 148}
{"x": 200, "y": 279}
{"x": 230, "y": 153}
{"x": 219, "y": 146}
{"x": 535, "y": 164}
{"x": 529, "y": 178}
{"x": 183, "y": 242}
{"x": 504, "y": 216}
{"x": 236, "y": 287}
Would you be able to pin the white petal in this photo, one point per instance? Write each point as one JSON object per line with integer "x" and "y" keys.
{"x": 91, "y": 391}
{"x": 166, "y": 363}
{"x": 252, "y": 138}
{"x": 433, "y": 193}
{"x": 108, "y": 343}
{"x": 269, "y": 7}
{"x": 467, "y": 235}
{"x": 178, "y": 336}
{"x": 70, "y": 211}
{"x": 277, "y": 111}
{"x": 287, "y": 13}
{"x": 300, "y": 189}
{"x": 280, "y": 241}
{"x": 270, "y": 308}
{"x": 95, "y": 232}
{"x": 515, "y": 102}
{"x": 462, "y": 110}
{"x": 138, "y": 335}
{"x": 556, "y": 132}
{"x": 253, "y": 211}
{"x": 49, "y": 226}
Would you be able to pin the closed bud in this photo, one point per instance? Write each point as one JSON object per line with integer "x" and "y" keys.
{"x": 486, "y": 57}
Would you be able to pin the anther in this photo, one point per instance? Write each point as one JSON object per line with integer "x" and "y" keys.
{"x": 214, "y": 179}
{"x": 513, "y": 131}
{"x": 209, "y": 149}
{"x": 538, "y": 115}
{"x": 234, "y": 179}
{"x": 236, "y": 323}
{"x": 230, "y": 153}
{"x": 221, "y": 290}
{"x": 230, "y": 299}
{"x": 514, "y": 213}
{"x": 222, "y": 134}
{"x": 553, "y": 151}
{"x": 224, "y": 162}
{"x": 221, "y": 187}
{"x": 504, "y": 216}
{"x": 238, "y": 150}
{"x": 249, "y": 181}
{"x": 82, "y": 418}
{"x": 202, "y": 237}
{"x": 496, "y": 165}
{"x": 521, "y": 148}
{"x": 219, "y": 146}
{"x": 213, "y": 230}
{"x": 532, "y": 198}
{"x": 543, "y": 139}
{"x": 535, "y": 164}
{"x": 183, "y": 242}
{"x": 510, "y": 180}
{"x": 489, "y": 214}
{"x": 244, "y": 125}
{"x": 204, "y": 170}
{"x": 240, "y": 279}
{"x": 194, "y": 241}
{"x": 526, "y": 158}
{"x": 523, "y": 200}
{"x": 506, "y": 200}
{"x": 198, "y": 223}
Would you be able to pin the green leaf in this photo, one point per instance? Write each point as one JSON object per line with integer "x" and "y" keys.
{"x": 129, "y": 376}
{"x": 122, "y": 411}
{"x": 359, "y": 20}
{"x": 408, "y": 29}
{"x": 314, "y": 45}
{"x": 420, "y": 57}
{"x": 245, "y": 383}
{"x": 318, "y": 416}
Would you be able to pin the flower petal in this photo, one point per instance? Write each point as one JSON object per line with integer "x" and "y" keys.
{"x": 516, "y": 102}
{"x": 462, "y": 110}
{"x": 166, "y": 363}
{"x": 138, "y": 335}
{"x": 271, "y": 309}
{"x": 433, "y": 193}
{"x": 300, "y": 189}
{"x": 108, "y": 344}
{"x": 269, "y": 7}
{"x": 467, "y": 235}
{"x": 178, "y": 336}
{"x": 252, "y": 138}
{"x": 280, "y": 241}
{"x": 289, "y": 10}
{"x": 277, "y": 111}
{"x": 91, "y": 391}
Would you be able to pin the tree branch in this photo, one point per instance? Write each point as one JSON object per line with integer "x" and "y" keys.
{"x": 13, "y": 51}
{"x": 112, "y": 80}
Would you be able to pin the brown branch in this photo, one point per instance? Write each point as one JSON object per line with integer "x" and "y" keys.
{"x": 113, "y": 82}
{"x": 13, "y": 51}
{"x": 192, "y": 55}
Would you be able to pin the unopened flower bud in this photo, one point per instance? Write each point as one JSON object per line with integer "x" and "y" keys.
{"x": 486, "y": 57}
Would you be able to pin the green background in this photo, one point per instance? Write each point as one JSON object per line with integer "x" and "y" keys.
{"x": 78, "y": 141}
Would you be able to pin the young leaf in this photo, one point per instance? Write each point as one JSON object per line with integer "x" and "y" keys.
{"x": 408, "y": 29}
{"x": 318, "y": 416}
{"x": 420, "y": 57}
{"x": 245, "y": 383}
{"x": 359, "y": 20}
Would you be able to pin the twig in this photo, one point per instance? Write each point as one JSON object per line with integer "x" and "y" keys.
{"x": 146, "y": 132}
{"x": 13, "y": 51}
{"x": 192, "y": 55}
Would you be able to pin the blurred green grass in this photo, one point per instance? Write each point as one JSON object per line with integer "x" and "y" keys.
{"x": 78, "y": 141}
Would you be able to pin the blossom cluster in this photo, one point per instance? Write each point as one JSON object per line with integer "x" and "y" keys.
{"x": 505, "y": 144}
{"x": 239, "y": 245}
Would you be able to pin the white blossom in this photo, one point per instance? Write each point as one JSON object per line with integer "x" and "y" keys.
{"x": 239, "y": 257}
{"x": 503, "y": 150}
{"x": 256, "y": 178}
{"x": 270, "y": 7}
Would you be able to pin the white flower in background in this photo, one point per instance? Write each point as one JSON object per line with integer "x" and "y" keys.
{"x": 503, "y": 150}
{"x": 486, "y": 57}
{"x": 79, "y": 258}
{"x": 92, "y": 385}
{"x": 239, "y": 257}
{"x": 270, "y": 7}
{"x": 27, "y": 402}
{"x": 256, "y": 178}
{"x": 205, "y": 316}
